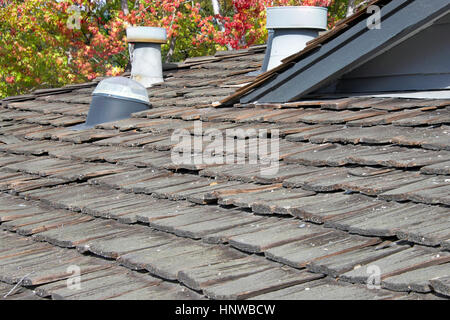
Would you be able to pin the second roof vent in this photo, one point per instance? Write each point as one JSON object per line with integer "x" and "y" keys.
{"x": 145, "y": 54}
{"x": 292, "y": 28}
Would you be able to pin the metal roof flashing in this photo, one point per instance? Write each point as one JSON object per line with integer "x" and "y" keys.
{"x": 438, "y": 94}
{"x": 114, "y": 99}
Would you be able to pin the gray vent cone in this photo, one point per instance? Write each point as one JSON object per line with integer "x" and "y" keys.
{"x": 114, "y": 99}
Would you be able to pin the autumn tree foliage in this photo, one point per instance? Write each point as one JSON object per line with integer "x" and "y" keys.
{"x": 46, "y": 43}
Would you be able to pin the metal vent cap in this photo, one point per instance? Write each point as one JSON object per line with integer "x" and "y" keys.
{"x": 297, "y": 17}
{"x": 147, "y": 34}
{"x": 122, "y": 88}
{"x": 115, "y": 99}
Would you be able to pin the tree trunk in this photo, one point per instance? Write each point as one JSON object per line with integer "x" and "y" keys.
{"x": 354, "y": 6}
{"x": 216, "y": 10}
{"x": 351, "y": 7}
{"x": 216, "y": 6}
{"x": 124, "y": 5}
{"x": 171, "y": 51}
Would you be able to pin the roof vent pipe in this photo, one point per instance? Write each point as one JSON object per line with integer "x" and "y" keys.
{"x": 145, "y": 54}
{"x": 292, "y": 28}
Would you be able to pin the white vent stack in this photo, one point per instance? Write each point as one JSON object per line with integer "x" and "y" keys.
{"x": 292, "y": 28}
{"x": 145, "y": 55}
